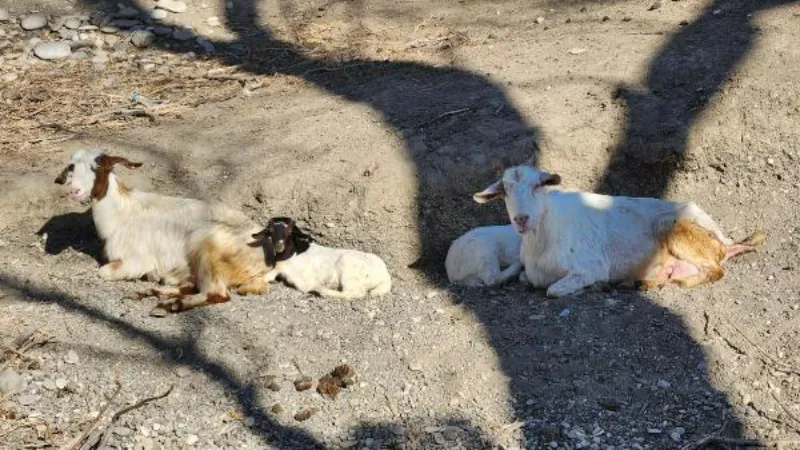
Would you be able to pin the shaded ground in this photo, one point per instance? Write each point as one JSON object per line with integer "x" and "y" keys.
{"x": 374, "y": 124}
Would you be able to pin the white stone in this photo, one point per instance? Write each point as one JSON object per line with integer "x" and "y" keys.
{"x": 53, "y": 50}
{"x": 33, "y": 21}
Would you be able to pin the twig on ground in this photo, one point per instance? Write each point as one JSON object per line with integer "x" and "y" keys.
{"x": 786, "y": 409}
{"x": 389, "y": 402}
{"x": 780, "y": 365}
{"x": 76, "y": 443}
{"x": 139, "y": 404}
{"x": 444, "y": 115}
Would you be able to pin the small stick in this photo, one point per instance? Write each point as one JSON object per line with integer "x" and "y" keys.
{"x": 391, "y": 406}
{"x": 783, "y": 366}
{"x": 785, "y": 409}
{"x": 139, "y": 404}
{"x": 443, "y": 115}
{"x": 75, "y": 443}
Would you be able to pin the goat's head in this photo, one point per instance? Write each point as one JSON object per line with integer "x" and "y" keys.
{"x": 88, "y": 173}
{"x": 284, "y": 238}
{"x": 521, "y": 187}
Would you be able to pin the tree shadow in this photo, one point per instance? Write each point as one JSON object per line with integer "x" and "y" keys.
{"x": 558, "y": 364}
{"x": 682, "y": 79}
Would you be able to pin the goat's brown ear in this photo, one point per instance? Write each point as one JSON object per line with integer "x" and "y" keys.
{"x": 551, "y": 179}
{"x": 62, "y": 177}
{"x": 494, "y": 192}
{"x": 110, "y": 161}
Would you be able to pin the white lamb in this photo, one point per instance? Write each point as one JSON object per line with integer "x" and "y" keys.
{"x": 572, "y": 239}
{"x": 484, "y": 256}
{"x": 143, "y": 234}
{"x": 329, "y": 272}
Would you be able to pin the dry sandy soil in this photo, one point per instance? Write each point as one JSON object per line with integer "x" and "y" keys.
{"x": 373, "y": 123}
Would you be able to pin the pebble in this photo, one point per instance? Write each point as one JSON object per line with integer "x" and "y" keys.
{"x": 61, "y": 383}
{"x": 249, "y": 421}
{"x": 33, "y": 22}
{"x": 110, "y": 39}
{"x": 677, "y": 434}
{"x": 564, "y": 313}
{"x": 770, "y": 161}
{"x": 54, "y": 50}
{"x": 8, "y": 78}
{"x": 183, "y": 372}
{"x": 663, "y": 384}
{"x": 85, "y": 43}
{"x": 159, "y": 14}
{"x": 213, "y": 21}
{"x": 161, "y": 30}
{"x": 206, "y": 46}
{"x": 142, "y": 38}
{"x": 175, "y": 6}
{"x": 654, "y": 6}
{"x": 125, "y": 23}
{"x": 576, "y": 51}
{"x": 4, "y": 15}
{"x": 654, "y": 431}
{"x": 11, "y": 382}
{"x": 72, "y": 23}
{"x": 109, "y": 29}
{"x": 540, "y": 20}
{"x": 182, "y": 34}
{"x": 28, "y": 399}
{"x": 192, "y": 439}
{"x": 127, "y": 13}
{"x": 122, "y": 431}
{"x": 50, "y": 385}
{"x": 71, "y": 357}
{"x": 68, "y": 35}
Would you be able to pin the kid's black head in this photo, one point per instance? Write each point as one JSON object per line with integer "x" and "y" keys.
{"x": 284, "y": 238}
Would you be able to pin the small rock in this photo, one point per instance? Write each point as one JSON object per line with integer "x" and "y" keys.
{"x": 72, "y": 387}
{"x": 109, "y": 29}
{"x": 121, "y": 431}
{"x": 576, "y": 51}
{"x": 664, "y": 384}
{"x": 33, "y": 22}
{"x": 11, "y": 382}
{"x": 72, "y": 23}
{"x": 8, "y": 78}
{"x": 161, "y": 30}
{"x": 127, "y": 13}
{"x": 683, "y": 23}
{"x": 305, "y": 414}
{"x": 205, "y": 45}
{"x": 249, "y": 421}
{"x": 654, "y": 6}
{"x": 68, "y": 35}
{"x": 4, "y": 15}
{"x": 770, "y": 161}
{"x": 565, "y": 313}
{"x": 75, "y": 45}
{"x": 213, "y": 21}
{"x": 183, "y": 372}
{"x": 110, "y": 39}
{"x": 27, "y": 400}
{"x": 142, "y": 38}
{"x": 125, "y": 23}
{"x": 627, "y": 18}
{"x": 303, "y": 383}
{"x": 677, "y": 434}
{"x": 277, "y": 408}
{"x": 50, "y": 385}
{"x": 175, "y": 6}
{"x": 159, "y": 14}
{"x": 540, "y": 20}
{"x": 61, "y": 383}
{"x": 414, "y": 367}
{"x": 71, "y": 357}
{"x": 192, "y": 439}
{"x": 653, "y": 431}
{"x": 182, "y": 34}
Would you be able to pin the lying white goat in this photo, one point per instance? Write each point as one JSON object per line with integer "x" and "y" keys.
{"x": 143, "y": 234}
{"x": 329, "y": 272}
{"x": 484, "y": 256}
{"x": 572, "y": 239}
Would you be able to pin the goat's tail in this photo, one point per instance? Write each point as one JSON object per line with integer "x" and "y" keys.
{"x": 746, "y": 245}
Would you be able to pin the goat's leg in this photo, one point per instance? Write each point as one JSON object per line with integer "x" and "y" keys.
{"x": 571, "y": 284}
{"x": 176, "y": 305}
{"x": 117, "y": 270}
{"x": 696, "y": 214}
{"x": 167, "y": 291}
{"x": 257, "y": 286}
{"x": 510, "y": 272}
{"x": 343, "y": 294}
{"x": 689, "y": 275}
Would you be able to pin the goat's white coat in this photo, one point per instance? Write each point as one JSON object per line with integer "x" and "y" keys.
{"x": 484, "y": 256}
{"x": 145, "y": 233}
{"x": 573, "y": 239}
{"x": 333, "y": 272}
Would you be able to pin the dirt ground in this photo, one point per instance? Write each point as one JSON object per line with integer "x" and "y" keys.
{"x": 373, "y": 123}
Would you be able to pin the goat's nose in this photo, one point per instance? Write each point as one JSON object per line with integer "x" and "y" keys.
{"x": 521, "y": 219}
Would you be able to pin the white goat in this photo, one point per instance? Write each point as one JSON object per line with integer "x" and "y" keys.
{"x": 143, "y": 234}
{"x": 484, "y": 256}
{"x": 572, "y": 239}
{"x": 329, "y": 272}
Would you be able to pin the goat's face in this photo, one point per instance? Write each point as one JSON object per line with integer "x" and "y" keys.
{"x": 521, "y": 187}
{"x": 284, "y": 237}
{"x": 88, "y": 173}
